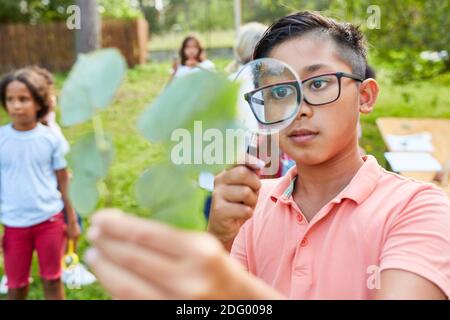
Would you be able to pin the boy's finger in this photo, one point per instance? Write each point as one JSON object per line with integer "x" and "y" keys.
{"x": 147, "y": 233}
{"x": 118, "y": 281}
{"x": 236, "y": 210}
{"x": 144, "y": 262}
{"x": 251, "y": 162}
{"x": 240, "y": 194}
{"x": 241, "y": 175}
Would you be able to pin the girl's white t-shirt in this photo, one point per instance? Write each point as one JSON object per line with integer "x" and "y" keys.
{"x": 56, "y": 129}
{"x": 184, "y": 70}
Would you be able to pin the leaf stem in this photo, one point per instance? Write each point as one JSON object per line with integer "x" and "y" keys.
{"x": 103, "y": 146}
{"x": 100, "y": 137}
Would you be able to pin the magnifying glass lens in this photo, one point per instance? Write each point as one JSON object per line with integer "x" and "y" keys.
{"x": 270, "y": 95}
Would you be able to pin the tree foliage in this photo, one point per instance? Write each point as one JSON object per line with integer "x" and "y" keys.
{"x": 407, "y": 27}
{"x": 39, "y": 11}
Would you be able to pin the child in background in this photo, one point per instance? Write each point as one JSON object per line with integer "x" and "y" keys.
{"x": 33, "y": 186}
{"x": 247, "y": 38}
{"x": 193, "y": 58}
{"x": 50, "y": 119}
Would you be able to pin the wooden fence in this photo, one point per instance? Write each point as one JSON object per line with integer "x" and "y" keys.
{"x": 52, "y": 45}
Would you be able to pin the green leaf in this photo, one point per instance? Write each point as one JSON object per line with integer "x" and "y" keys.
{"x": 86, "y": 159}
{"x": 167, "y": 189}
{"x": 171, "y": 196}
{"x": 83, "y": 193}
{"x": 75, "y": 104}
{"x": 204, "y": 96}
{"x": 162, "y": 184}
{"x": 104, "y": 71}
{"x": 186, "y": 214}
{"x": 91, "y": 84}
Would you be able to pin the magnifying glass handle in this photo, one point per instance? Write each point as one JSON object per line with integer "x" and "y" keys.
{"x": 252, "y": 147}
{"x": 252, "y": 151}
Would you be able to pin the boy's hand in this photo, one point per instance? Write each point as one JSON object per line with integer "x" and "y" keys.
{"x": 156, "y": 261}
{"x": 1, "y": 243}
{"x": 234, "y": 198}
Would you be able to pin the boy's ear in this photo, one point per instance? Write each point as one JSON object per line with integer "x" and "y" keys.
{"x": 368, "y": 93}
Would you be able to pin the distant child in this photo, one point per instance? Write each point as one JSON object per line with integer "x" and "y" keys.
{"x": 246, "y": 40}
{"x": 50, "y": 118}
{"x": 193, "y": 58}
{"x": 34, "y": 200}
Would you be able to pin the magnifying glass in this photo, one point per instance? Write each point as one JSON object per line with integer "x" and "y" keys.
{"x": 269, "y": 99}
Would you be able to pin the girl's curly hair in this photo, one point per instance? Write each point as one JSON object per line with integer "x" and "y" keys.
{"x": 39, "y": 82}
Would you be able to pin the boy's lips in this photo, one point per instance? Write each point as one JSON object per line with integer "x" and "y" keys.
{"x": 302, "y": 135}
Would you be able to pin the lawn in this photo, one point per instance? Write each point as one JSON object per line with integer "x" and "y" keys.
{"x": 133, "y": 153}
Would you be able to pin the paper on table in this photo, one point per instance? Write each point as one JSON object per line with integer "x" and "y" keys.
{"x": 412, "y": 162}
{"x": 412, "y": 142}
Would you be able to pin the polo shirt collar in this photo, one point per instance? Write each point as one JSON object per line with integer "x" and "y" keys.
{"x": 359, "y": 188}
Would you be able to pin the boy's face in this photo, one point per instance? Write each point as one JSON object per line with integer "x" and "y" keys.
{"x": 20, "y": 104}
{"x": 319, "y": 133}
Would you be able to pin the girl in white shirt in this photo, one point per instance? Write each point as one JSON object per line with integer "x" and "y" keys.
{"x": 192, "y": 58}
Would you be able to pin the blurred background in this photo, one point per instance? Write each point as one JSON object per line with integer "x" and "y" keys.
{"x": 398, "y": 31}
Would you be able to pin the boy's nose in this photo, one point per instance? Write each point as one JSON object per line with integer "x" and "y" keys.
{"x": 305, "y": 110}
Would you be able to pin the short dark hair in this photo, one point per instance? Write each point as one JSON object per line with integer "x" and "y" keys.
{"x": 347, "y": 37}
{"x": 370, "y": 72}
{"x": 183, "y": 46}
{"x": 38, "y": 81}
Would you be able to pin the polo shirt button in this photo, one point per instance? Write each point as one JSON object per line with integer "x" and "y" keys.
{"x": 299, "y": 218}
{"x": 304, "y": 242}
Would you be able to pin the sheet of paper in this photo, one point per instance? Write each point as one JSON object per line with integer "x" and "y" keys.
{"x": 412, "y": 162}
{"x": 420, "y": 142}
{"x": 206, "y": 181}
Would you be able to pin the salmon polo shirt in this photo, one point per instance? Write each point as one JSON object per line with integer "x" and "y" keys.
{"x": 379, "y": 221}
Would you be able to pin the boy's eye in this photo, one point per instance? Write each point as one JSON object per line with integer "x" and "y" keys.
{"x": 317, "y": 84}
{"x": 281, "y": 92}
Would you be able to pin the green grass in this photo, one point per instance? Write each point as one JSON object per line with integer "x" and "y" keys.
{"x": 134, "y": 154}
{"x": 213, "y": 39}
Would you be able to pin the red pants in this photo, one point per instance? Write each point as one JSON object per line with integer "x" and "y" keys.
{"x": 47, "y": 238}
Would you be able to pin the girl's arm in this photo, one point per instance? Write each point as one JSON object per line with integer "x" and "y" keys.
{"x": 73, "y": 229}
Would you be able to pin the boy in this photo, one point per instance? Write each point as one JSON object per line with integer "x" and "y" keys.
{"x": 339, "y": 227}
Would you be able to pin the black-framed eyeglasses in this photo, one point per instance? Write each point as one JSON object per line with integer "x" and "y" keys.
{"x": 281, "y": 101}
